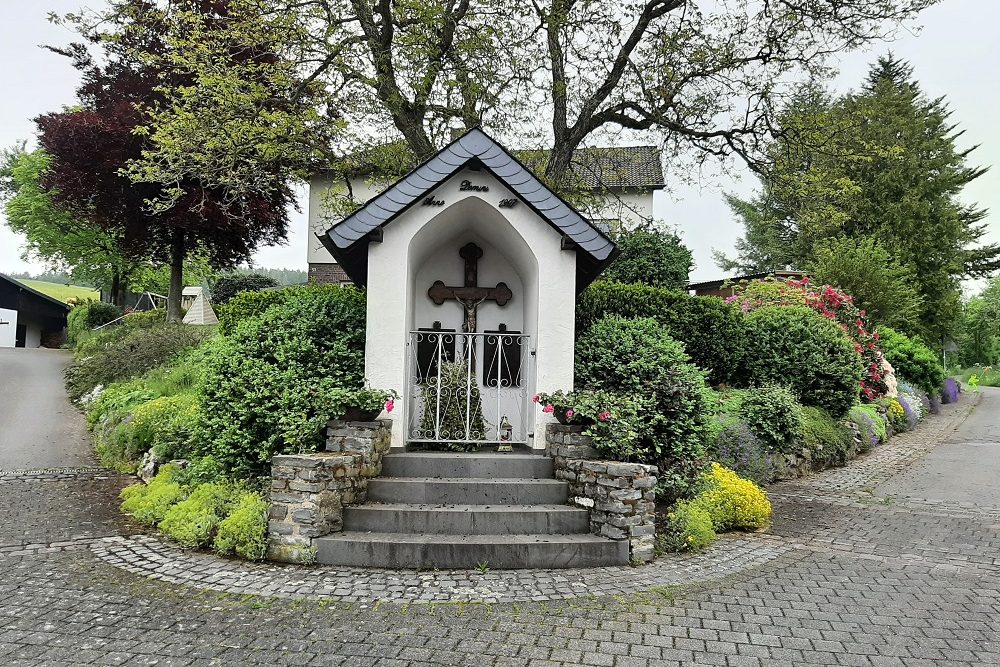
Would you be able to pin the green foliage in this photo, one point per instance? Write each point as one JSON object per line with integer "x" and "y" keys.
{"x": 273, "y": 384}
{"x": 864, "y": 268}
{"x": 689, "y": 528}
{"x": 611, "y": 420}
{"x": 52, "y": 234}
{"x": 129, "y": 353}
{"x": 149, "y": 503}
{"x": 733, "y": 502}
{"x": 773, "y": 414}
{"x": 84, "y": 318}
{"x": 166, "y": 425}
{"x": 912, "y": 359}
{"x": 712, "y": 332}
{"x": 244, "y": 531}
{"x": 142, "y": 319}
{"x": 795, "y": 346}
{"x": 651, "y": 256}
{"x": 192, "y": 521}
{"x": 827, "y": 440}
{"x": 898, "y": 181}
{"x": 978, "y": 330}
{"x": 871, "y": 425}
{"x": 248, "y": 305}
{"x": 450, "y": 404}
{"x": 638, "y": 359}
{"x": 229, "y": 285}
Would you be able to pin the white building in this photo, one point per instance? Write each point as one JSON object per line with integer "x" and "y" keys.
{"x": 619, "y": 180}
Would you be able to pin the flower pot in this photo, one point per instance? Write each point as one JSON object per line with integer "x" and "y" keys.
{"x": 356, "y": 414}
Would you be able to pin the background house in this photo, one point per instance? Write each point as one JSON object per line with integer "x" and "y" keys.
{"x": 618, "y": 185}
{"x": 725, "y": 287}
{"x": 29, "y": 318}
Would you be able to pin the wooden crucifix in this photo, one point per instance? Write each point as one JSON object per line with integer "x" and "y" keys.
{"x": 470, "y": 295}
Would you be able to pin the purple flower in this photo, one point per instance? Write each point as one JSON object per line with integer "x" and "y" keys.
{"x": 949, "y": 393}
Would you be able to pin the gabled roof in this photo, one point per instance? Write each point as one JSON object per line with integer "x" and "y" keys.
{"x": 597, "y": 168}
{"x": 348, "y": 240}
{"x": 33, "y": 291}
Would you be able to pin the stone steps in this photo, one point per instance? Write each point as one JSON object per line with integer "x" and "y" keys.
{"x": 454, "y": 510}
{"x": 467, "y": 491}
{"x": 467, "y": 519}
{"x": 404, "y": 551}
{"x": 447, "y": 464}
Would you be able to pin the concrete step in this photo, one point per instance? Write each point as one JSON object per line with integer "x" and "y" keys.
{"x": 467, "y": 519}
{"x": 456, "y": 464}
{"x": 409, "y": 551}
{"x": 467, "y": 491}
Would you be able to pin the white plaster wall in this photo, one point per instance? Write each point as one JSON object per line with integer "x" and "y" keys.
{"x": 631, "y": 208}
{"x": 8, "y": 331}
{"x": 531, "y": 246}
{"x": 320, "y": 218}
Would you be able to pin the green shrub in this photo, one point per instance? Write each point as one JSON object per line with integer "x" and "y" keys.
{"x": 166, "y": 425}
{"x": 248, "y": 305}
{"x": 871, "y": 425}
{"x": 244, "y": 531}
{"x": 733, "y": 502}
{"x": 83, "y": 318}
{"x": 912, "y": 360}
{"x": 827, "y": 440}
{"x": 201, "y": 470}
{"x": 795, "y": 346}
{"x": 229, "y": 285}
{"x": 130, "y": 355}
{"x": 140, "y": 319}
{"x": 273, "y": 384}
{"x": 149, "y": 503}
{"x": 192, "y": 521}
{"x": 651, "y": 255}
{"x": 711, "y": 331}
{"x": 689, "y": 528}
{"x": 773, "y": 415}
{"x": 638, "y": 359}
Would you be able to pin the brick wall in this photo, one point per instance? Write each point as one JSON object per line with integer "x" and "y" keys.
{"x": 327, "y": 273}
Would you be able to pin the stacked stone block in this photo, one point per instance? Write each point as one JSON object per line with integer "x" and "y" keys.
{"x": 620, "y": 496}
{"x": 309, "y": 491}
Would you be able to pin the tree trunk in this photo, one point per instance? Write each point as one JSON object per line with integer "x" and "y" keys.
{"x": 117, "y": 296}
{"x": 176, "y": 277}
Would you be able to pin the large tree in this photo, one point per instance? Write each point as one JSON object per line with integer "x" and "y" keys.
{"x": 92, "y": 145}
{"x": 880, "y": 163}
{"x": 700, "y": 77}
{"x": 65, "y": 242}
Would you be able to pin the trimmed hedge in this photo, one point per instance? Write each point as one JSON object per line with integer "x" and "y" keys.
{"x": 271, "y": 385}
{"x": 246, "y": 306}
{"x": 712, "y": 332}
{"x": 795, "y": 346}
{"x": 228, "y": 286}
{"x": 636, "y": 358}
{"x": 912, "y": 360}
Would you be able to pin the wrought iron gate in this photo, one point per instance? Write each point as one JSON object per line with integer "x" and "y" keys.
{"x": 468, "y": 387}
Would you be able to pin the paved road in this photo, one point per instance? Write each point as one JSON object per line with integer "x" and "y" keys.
{"x": 39, "y": 428}
{"x": 860, "y": 579}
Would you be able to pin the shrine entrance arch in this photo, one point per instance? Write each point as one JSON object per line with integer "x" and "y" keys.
{"x": 473, "y": 314}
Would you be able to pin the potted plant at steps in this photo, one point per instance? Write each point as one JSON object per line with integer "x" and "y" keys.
{"x": 365, "y": 405}
{"x": 611, "y": 420}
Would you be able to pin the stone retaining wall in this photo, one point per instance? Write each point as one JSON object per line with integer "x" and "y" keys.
{"x": 309, "y": 491}
{"x": 620, "y": 496}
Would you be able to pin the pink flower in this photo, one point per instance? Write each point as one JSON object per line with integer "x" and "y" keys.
{"x": 534, "y": 399}
{"x": 548, "y": 409}
{"x": 569, "y": 414}
{"x": 389, "y": 405}
{"x": 604, "y": 416}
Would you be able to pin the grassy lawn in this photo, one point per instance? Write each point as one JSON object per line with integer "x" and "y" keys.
{"x": 988, "y": 377}
{"x": 62, "y": 292}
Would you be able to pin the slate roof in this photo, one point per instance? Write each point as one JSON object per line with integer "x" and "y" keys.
{"x": 612, "y": 167}
{"x": 348, "y": 240}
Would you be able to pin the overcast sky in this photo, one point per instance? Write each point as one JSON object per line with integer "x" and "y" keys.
{"x": 955, "y": 55}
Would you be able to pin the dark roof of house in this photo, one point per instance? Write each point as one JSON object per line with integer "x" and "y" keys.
{"x": 612, "y": 167}
{"x": 24, "y": 288}
{"x": 348, "y": 240}
{"x": 716, "y": 284}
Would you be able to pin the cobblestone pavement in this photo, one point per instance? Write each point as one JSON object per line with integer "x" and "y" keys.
{"x": 848, "y": 575}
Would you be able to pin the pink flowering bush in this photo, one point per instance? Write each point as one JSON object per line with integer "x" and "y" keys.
{"x": 610, "y": 419}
